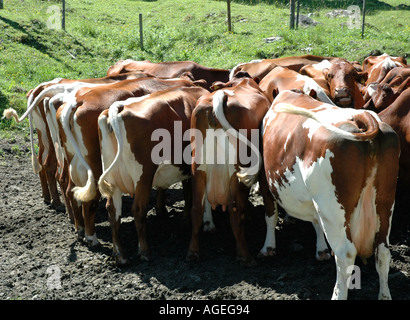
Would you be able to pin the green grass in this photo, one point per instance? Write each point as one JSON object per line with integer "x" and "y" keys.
{"x": 99, "y": 33}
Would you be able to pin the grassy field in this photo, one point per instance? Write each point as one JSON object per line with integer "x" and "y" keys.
{"x": 99, "y": 33}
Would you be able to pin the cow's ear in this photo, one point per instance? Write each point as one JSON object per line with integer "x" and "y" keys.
{"x": 362, "y": 76}
{"x": 187, "y": 75}
{"x": 217, "y": 85}
{"x": 313, "y": 93}
{"x": 325, "y": 72}
{"x": 201, "y": 83}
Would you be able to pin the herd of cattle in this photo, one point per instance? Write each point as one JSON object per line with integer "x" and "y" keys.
{"x": 333, "y": 142}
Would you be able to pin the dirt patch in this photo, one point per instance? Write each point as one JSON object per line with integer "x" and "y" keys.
{"x": 40, "y": 257}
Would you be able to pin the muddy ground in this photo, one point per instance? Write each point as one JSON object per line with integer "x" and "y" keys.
{"x": 40, "y": 257}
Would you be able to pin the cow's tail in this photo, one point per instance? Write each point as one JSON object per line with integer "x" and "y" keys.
{"x": 104, "y": 186}
{"x": 366, "y": 121}
{"x": 89, "y": 191}
{"x": 246, "y": 175}
{"x": 31, "y": 104}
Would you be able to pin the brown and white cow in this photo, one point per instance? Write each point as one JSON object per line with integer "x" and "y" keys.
{"x": 171, "y": 69}
{"x": 45, "y": 163}
{"x": 131, "y": 154}
{"x": 336, "y": 167}
{"x": 384, "y": 94}
{"x": 77, "y": 122}
{"x": 344, "y": 80}
{"x": 397, "y": 115}
{"x": 280, "y": 79}
{"x": 225, "y": 124}
{"x": 377, "y": 67}
{"x": 260, "y": 68}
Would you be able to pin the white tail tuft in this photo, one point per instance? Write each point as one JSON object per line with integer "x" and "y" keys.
{"x": 10, "y": 113}
{"x": 88, "y": 192}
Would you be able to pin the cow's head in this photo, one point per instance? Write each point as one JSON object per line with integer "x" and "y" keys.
{"x": 235, "y": 80}
{"x": 343, "y": 80}
{"x": 385, "y": 95}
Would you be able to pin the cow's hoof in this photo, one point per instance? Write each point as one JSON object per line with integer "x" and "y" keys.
{"x": 323, "y": 255}
{"x": 120, "y": 261}
{"x": 59, "y": 208}
{"x": 246, "y": 262}
{"x": 91, "y": 241}
{"x": 268, "y": 252}
{"x": 208, "y": 227}
{"x": 80, "y": 234}
{"x": 145, "y": 256}
{"x": 192, "y": 256}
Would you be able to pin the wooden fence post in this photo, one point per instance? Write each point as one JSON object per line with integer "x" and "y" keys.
{"x": 364, "y": 14}
{"x": 297, "y": 13}
{"x": 229, "y": 15}
{"x": 1, "y": 4}
{"x": 63, "y": 16}
{"x": 141, "y": 33}
{"x": 292, "y": 14}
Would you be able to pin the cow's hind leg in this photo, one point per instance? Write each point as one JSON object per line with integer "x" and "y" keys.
{"x": 89, "y": 212}
{"x": 197, "y": 213}
{"x": 322, "y": 250}
{"x": 344, "y": 250}
{"x": 345, "y": 259}
{"x": 76, "y": 207}
{"x": 45, "y": 192}
{"x": 114, "y": 208}
{"x": 271, "y": 218}
{"x": 237, "y": 218}
{"x": 383, "y": 257}
{"x": 51, "y": 169}
{"x": 139, "y": 210}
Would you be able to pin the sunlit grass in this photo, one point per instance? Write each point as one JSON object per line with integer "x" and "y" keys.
{"x": 99, "y": 33}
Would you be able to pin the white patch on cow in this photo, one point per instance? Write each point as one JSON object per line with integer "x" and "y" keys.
{"x": 51, "y": 119}
{"x": 287, "y": 139}
{"x": 383, "y": 258}
{"x": 386, "y": 64}
{"x": 208, "y": 220}
{"x": 267, "y": 119}
{"x": 371, "y": 88}
{"x": 294, "y": 197}
{"x": 365, "y": 214}
{"x": 123, "y": 171}
{"x": 307, "y": 193}
{"x": 233, "y": 71}
{"x": 127, "y": 170}
{"x": 167, "y": 174}
{"x": 311, "y": 84}
{"x": 217, "y": 165}
{"x": 229, "y": 92}
{"x": 325, "y": 64}
{"x": 270, "y": 239}
{"x": 91, "y": 240}
{"x": 41, "y": 127}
